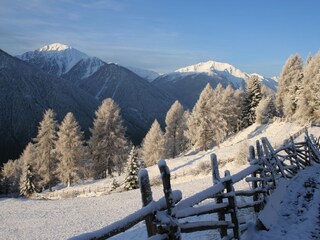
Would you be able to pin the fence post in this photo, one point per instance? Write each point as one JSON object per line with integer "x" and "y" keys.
{"x": 173, "y": 224}
{"x": 251, "y": 153}
{"x": 254, "y": 175}
{"x": 295, "y": 155}
{"x": 268, "y": 162}
{"x": 232, "y": 205}
{"x": 215, "y": 169}
{"x": 216, "y": 179}
{"x": 262, "y": 171}
{"x": 146, "y": 195}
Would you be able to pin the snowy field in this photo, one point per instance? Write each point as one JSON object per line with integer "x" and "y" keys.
{"x": 64, "y": 218}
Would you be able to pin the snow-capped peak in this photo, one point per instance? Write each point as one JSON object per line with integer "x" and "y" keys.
{"x": 211, "y": 67}
{"x": 258, "y": 75}
{"x": 55, "y": 58}
{"x": 54, "y": 47}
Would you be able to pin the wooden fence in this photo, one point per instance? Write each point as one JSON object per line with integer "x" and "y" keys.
{"x": 168, "y": 217}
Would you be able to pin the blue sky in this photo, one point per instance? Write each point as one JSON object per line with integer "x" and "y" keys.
{"x": 164, "y": 35}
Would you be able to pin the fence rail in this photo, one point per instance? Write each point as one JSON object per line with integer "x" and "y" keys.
{"x": 163, "y": 218}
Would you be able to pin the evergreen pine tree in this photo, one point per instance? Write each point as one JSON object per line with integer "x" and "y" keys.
{"x": 253, "y": 96}
{"x": 175, "y": 140}
{"x": 153, "y": 145}
{"x": 45, "y": 145}
{"x": 70, "y": 150}
{"x": 108, "y": 144}
{"x": 131, "y": 181}
{"x": 27, "y": 181}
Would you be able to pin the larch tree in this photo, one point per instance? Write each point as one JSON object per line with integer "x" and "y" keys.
{"x": 131, "y": 181}
{"x": 70, "y": 150}
{"x": 45, "y": 145}
{"x": 175, "y": 140}
{"x": 29, "y": 155}
{"x": 231, "y": 108}
{"x": 289, "y": 85}
{"x": 239, "y": 95}
{"x": 153, "y": 145}
{"x": 309, "y": 58}
{"x": 199, "y": 122}
{"x": 220, "y": 112}
{"x": 11, "y": 173}
{"x": 266, "y": 110}
{"x": 309, "y": 106}
{"x": 108, "y": 144}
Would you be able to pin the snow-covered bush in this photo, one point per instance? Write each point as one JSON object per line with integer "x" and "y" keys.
{"x": 114, "y": 185}
{"x": 203, "y": 167}
{"x": 242, "y": 155}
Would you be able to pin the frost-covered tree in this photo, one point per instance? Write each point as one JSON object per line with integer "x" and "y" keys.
{"x": 153, "y": 145}
{"x": 29, "y": 155}
{"x": 131, "y": 181}
{"x": 70, "y": 150}
{"x": 231, "y": 108}
{"x": 289, "y": 85}
{"x": 207, "y": 124}
{"x": 221, "y": 105}
{"x": 200, "y": 125}
{"x": 175, "y": 140}
{"x": 239, "y": 95}
{"x": 309, "y": 106}
{"x": 309, "y": 58}
{"x": 266, "y": 110}
{"x": 45, "y": 145}
{"x": 252, "y": 97}
{"x": 108, "y": 144}
{"x": 11, "y": 173}
{"x": 27, "y": 181}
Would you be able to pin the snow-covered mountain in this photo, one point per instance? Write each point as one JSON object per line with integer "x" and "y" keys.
{"x": 227, "y": 71}
{"x": 212, "y": 68}
{"x": 56, "y": 58}
{"x": 186, "y": 84}
{"x": 83, "y": 69}
{"x": 144, "y": 73}
{"x": 25, "y": 93}
{"x": 140, "y": 101}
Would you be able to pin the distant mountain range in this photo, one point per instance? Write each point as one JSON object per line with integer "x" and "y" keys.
{"x": 187, "y": 83}
{"x": 63, "y": 78}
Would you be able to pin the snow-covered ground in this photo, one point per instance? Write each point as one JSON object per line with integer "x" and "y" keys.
{"x": 60, "y": 219}
{"x": 299, "y": 212}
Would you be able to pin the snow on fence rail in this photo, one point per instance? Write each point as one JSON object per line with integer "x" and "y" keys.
{"x": 163, "y": 218}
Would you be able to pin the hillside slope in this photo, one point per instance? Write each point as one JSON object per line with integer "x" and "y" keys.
{"x": 69, "y": 217}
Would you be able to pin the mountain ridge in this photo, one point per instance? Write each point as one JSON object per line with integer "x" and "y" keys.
{"x": 26, "y": 92}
